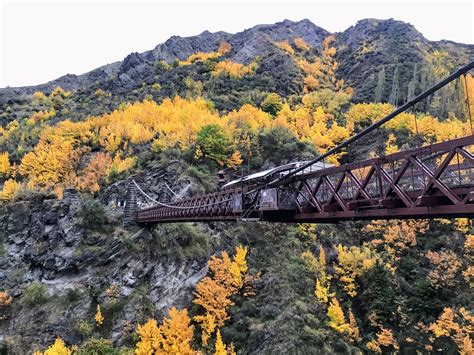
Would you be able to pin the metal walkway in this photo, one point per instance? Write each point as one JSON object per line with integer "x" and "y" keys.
{"x": 428, "y": 182}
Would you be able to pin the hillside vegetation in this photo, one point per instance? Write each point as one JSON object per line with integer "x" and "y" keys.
{"x": 375, "y": 287}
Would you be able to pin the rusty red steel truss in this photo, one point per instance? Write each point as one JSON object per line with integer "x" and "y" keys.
{"x": 434, "y": 181}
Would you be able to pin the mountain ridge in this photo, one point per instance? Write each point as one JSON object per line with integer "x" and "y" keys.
{"x": 362, "y": 50}
{"x": 207, "y": 41}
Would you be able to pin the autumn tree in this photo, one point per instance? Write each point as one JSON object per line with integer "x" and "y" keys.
{"x": 337, "y": 321}
{"x": 397, "y": 236}
{"x": 233, "y": 69}
{"x": 244, "y": 126}
{"x": 177, "y": 332}
{"x": 99, "y": 318}
{"x": 5, "y": 301}
{"x": 336, "y": 317}
{"x": 4, "y": 164}
{"x": 224, "y": 48}
{"x": 320, "y": 72}
{"x": 150, "y": 338}
{"x": 10, "y": 189}
{"x": 95, "y": 173}
{"x": 213, "y": 293}
{"x": 468, "y": 274}
{"x": 446, "y": 265}
{"x": 457, "y": 326}
{"x": 352, "y": 262}
{"x": 383, "y": 338}
{"x": 173, "y": 336}
{"x": 57, "y": 348}
{"x": 53, "y": 161}
{"x": 323, "y": 279}
{"x": 220, "y": 348}
{"x": 301, "y": 44}
{"x": 285, "y": 46}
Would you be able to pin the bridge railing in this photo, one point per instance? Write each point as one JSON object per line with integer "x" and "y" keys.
{"x": 440, "y": 173}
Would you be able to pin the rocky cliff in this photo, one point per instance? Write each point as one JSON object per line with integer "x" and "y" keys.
{"x": 59, "y": 264}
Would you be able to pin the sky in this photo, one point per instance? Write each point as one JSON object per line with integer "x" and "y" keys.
{"x": 43, "y": 40}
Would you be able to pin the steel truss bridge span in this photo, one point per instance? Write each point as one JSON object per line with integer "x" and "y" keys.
{"x": 434, "y": 181}
{"x": 427, "y": 182}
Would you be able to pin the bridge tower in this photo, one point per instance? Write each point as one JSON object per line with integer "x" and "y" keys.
{"x": 130, "y": 210}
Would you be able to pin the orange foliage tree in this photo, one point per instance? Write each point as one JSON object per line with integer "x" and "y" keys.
{"x": 446, "y": 265}
{"x": 457, "y": 326}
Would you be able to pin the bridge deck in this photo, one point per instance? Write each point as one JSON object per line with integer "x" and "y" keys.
{"x": 428, "y": 182}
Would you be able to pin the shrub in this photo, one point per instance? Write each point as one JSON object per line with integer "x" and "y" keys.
{"x": 93, "y": 215}
{"x": 272, "y": 104}
{"x": 34, "y": 294}
{"x": 96, "y": 346}
{"x": 85, "y": 328}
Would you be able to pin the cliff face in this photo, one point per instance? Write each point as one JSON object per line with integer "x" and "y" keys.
{"x": 79, "y": 267}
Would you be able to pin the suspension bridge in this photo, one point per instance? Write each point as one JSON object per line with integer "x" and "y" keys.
{"x": 434, "y": 181}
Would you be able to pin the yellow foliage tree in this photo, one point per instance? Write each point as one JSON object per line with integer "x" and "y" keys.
{"x": 99, "y": 318}
{"x": 383, "y": 338}
{"x": 5, "y": 301}
{"x": 320, "y": 72}
{"x": 317, "y": 126}
{"x": 468, "y": 274}
{"x": 336, "y": 317}
{"x": 234, "y": 70}
{"x": 353, "y": 332}
{"x": 202, "y": 56}
{"x": 397, "y": 235}
{"x": 284, "y": 45}
{"x": 213, "y": 293}
{"x": 323, "y": 281}
{"x": 58, "y": 348}
{"x": 173, "y": 336}
{"x": 4, "y": 164}
{"x": 224, "y": 48}
{"x": 53, "y": 162}
{"x": 95, "y": 172}
{"x": 177, "y": 332}
{"x": 220, "y": 348}
{"x": 10, "y": 189}
{"x": 41, "y": 116}
{"x": 391, "y": 145}
{"x": 5, "y": 298}
{"x": 301, "y": 44}
{"x": 150, "y": 338}
{"x": 353, "y": 262}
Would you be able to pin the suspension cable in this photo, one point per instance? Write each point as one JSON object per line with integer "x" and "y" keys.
{"x": 467, "y": 101}
{"x": 177, "y": 207}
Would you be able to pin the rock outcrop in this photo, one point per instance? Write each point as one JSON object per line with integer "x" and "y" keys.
{"x": 51, "y": 243}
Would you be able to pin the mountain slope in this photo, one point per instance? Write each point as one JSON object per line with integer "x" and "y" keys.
{"x": 169, "y": 119}
{"x": 361, "y": 51}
